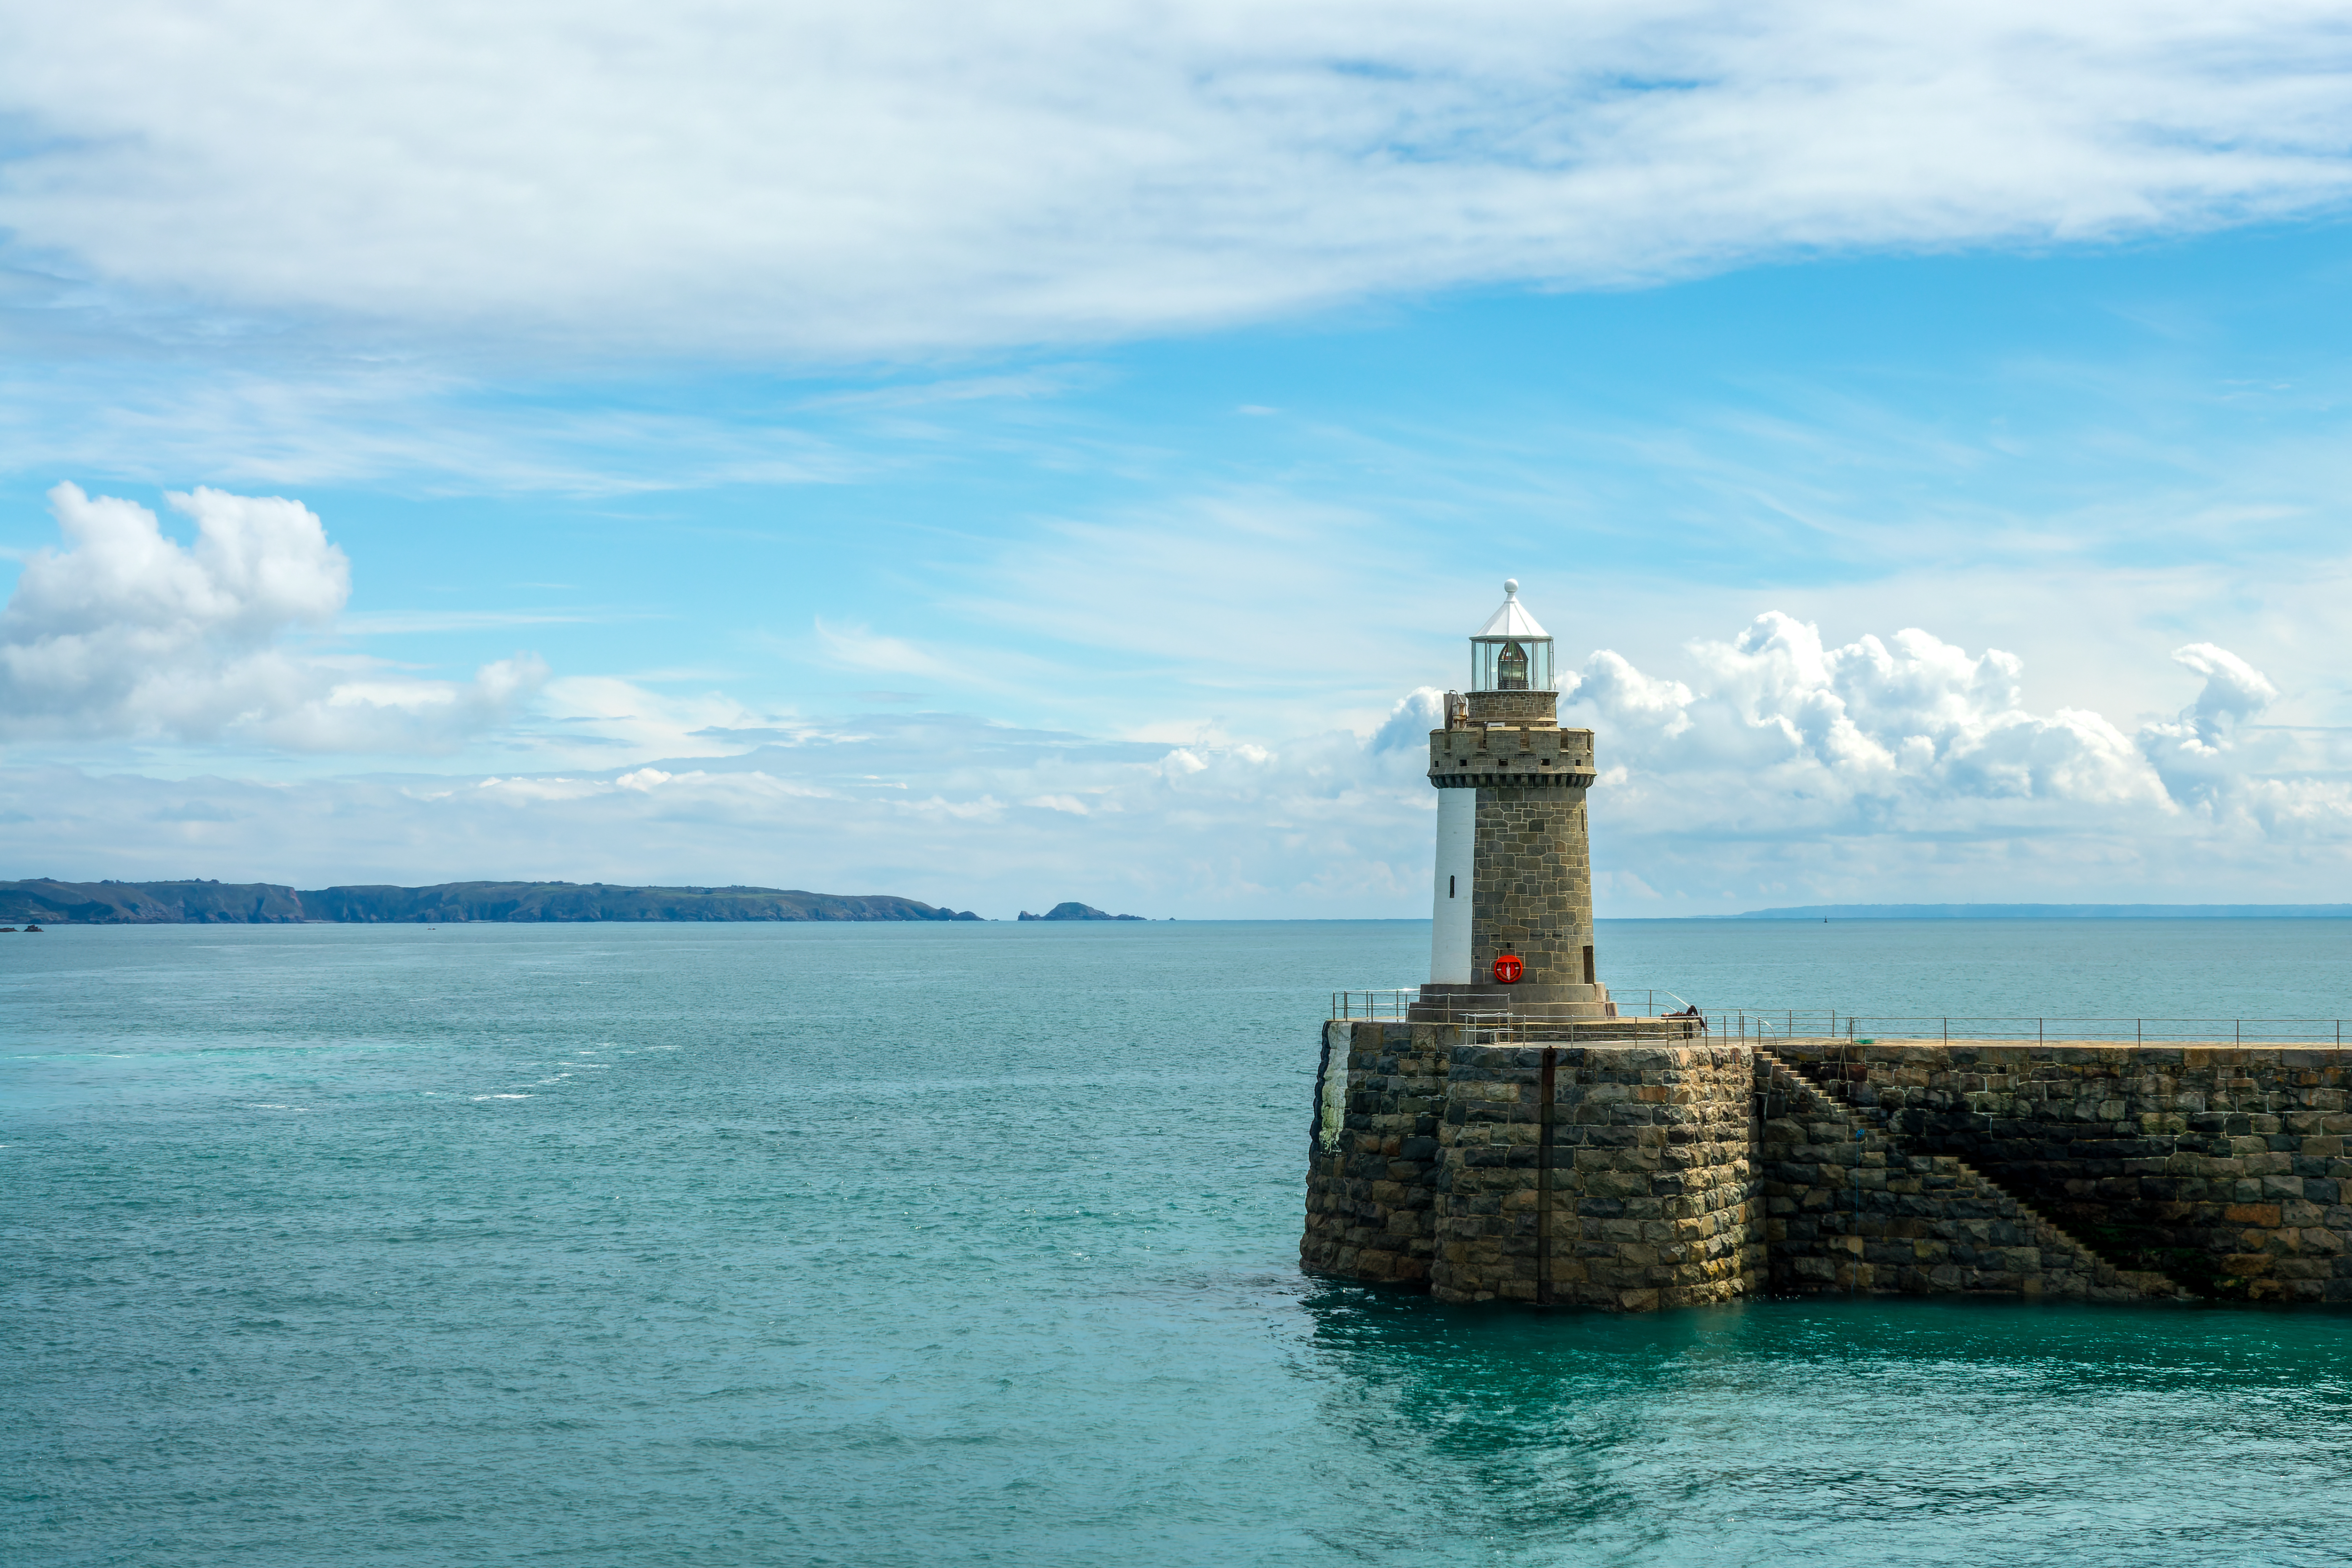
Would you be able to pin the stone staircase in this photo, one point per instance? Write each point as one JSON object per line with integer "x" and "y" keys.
{"x": 1956, "y": 1212}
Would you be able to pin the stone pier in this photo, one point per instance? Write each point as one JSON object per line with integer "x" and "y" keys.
{"x": 1669, "y": 1169}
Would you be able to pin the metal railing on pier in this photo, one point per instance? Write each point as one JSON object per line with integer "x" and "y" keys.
{"x": 1535, "y": 1024}
{"x": 1373, "y": 1004}
{"x": 1767, "y": 1023}
{"x": 1393, "y": 1004}
{"x": 1518, "y": 1029}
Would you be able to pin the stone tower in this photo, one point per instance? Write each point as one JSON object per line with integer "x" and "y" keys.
{"x": 1511, "y": 915}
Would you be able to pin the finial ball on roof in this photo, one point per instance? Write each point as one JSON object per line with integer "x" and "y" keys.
{"x": 1510, "y": 587}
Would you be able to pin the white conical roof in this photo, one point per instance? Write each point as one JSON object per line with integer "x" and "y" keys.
{"x": 1512, "y": 620}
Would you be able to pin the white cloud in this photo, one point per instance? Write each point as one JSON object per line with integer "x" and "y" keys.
{"x": 862, "y": 650}
{"x": 254, "y": 419}
{"x": 397, "y": 714}
{"x": 2287, "y": 785}
{"x": 2234, "y": 691}
{"x": 1407, "y": 729}
{"x": 593, "y": 719}
{"x": 1769, "y": 768}
{"x": 725, "y": 178}
{"x": 1908, "y": 768}
{"x": 1867, "y": 731}
{"x": 128, "y": 633}
{"x": 256, "y": 566}
{"x": 1633, "y": 699}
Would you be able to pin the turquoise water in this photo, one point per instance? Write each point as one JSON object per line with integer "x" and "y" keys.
{"x": 915, "y": 1245}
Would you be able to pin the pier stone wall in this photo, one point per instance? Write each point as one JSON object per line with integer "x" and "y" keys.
{"x": 2223, "y": 1166}
{"x": 1628, "y": 1187}
{"x": 1852, "y": 1208}
{"x": 1372, "y": 1154}
{"x": 1668, "y": 1173}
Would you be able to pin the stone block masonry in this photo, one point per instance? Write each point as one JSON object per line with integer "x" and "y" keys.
{"x": 1380, "y": 1095}
{"x": 1851, "y": 1209}
{"x": 1656, "y": 1172}
{"x": 1614, "y": 1176}
{"x": 2223, "y": 1166}
{"x": 1534, "y": 882}
{"x": 1529, "y": 866}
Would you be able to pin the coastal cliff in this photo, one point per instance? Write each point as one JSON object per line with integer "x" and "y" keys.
{"x": 249, "y": 903}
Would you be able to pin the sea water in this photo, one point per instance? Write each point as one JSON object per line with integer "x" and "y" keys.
{"x": 964, "y": 1244}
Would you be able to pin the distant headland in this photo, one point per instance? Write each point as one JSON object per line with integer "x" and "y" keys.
{"x": 266, "y": 903}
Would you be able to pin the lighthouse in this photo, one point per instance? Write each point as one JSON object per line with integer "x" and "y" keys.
{"x": 1511, "y": 1137}
{"x": 1511, "y": 907}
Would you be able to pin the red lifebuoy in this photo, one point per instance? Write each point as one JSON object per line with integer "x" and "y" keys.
{"x": 1507, "y": 968}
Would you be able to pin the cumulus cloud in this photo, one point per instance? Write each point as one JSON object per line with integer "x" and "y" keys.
{"x": 1775, "y": 769}
{"x": 906, "y": 176}
{"x": 1906, "y": 732}
{"x": 2283, "y": 784}
{"x": 1657, "y": 709}
{"x": 1407, "y": 728}
{"x": 2234, "y": 691}
{"x": 1900, "y": 767}
{"x": 125, "y": 632}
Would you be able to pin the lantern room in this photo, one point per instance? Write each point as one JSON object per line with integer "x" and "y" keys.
{"x": 1510, "y": 652}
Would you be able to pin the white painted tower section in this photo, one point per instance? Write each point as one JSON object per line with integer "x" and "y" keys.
{"x": 1449, "y": 918}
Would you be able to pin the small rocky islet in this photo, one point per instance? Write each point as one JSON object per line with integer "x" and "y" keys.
{"x": 1072, "y": 910}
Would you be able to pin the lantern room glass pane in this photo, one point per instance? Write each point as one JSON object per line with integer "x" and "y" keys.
{"x": 1511, "y": 669}
{"x": 1492, "y": 668}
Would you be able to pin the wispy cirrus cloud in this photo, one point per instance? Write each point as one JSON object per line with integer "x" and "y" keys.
{"x": 716, "y": 179}
{"x": 387, "y": 623}
{"x": 379, "y": 418}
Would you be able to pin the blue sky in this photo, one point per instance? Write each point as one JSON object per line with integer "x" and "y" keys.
{"x": 1074, "y": 491}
